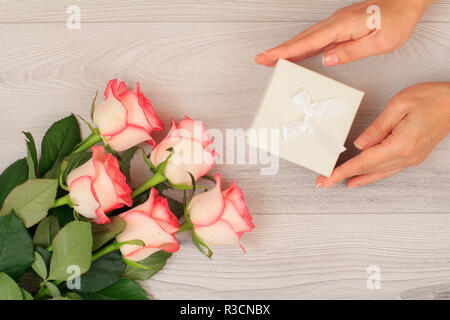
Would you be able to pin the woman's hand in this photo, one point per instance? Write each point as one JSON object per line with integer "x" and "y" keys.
{"x": 410, "y": 126}
{"x": 345, "y": 36}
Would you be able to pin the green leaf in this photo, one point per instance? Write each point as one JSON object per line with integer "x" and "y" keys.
{"x": 39, "y": 266}
{"x": 9, "y": 288}
{"x": 45, "y": 254}
{"x": 32, "y": 160}
{"x": 73, "y": 296}
{"x": 63, "y": 213}
{"x": 26, "y": 295}
{"x": 103, "y": 233}
{"x": 46, "y": 231}
{"x": 124, "y": 289}
{"x": 14, "y": 175}
{"x": 104, "y": 271}
{"x": 58, "y": 142}
{"x": 54, "y": 291}
{"x": 16, "y": 246}
{"x": 73, "y": 161}
{"x": 71, "y": 246}
{"x": 154, "y": 262}
{"x": 125, "y": 161}
{"x": 31, "y": 200}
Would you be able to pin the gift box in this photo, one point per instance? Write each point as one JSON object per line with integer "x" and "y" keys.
{"x": 311, "y": 113}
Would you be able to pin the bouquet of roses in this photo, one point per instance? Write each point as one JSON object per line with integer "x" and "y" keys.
{"x": 72, "y": 228}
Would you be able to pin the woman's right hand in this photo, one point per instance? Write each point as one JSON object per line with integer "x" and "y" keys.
{"x": 345, "y": 36}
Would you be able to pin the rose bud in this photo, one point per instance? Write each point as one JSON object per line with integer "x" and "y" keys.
{"x": 151, "y": 222}
{"x": 189, "y": 141}
{"x": 126, "y": 118}
{"x": 98, "y": 186}
{"x": 220, "y": 217}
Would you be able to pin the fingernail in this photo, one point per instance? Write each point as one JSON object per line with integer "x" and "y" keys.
{"x": 260, "y": 55}
{"x": 328, "y": 185}
{"x": 362, "y": 141}
{"x": 319, "y": 185}
{"x": 330, "y": 59}
{"x": 351, "y": 187}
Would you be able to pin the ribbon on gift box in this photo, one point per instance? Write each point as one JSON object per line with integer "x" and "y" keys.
{"x": 311, "y": 111}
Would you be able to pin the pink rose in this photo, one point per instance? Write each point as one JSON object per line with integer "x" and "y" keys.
{"x": 98, "y": 186}
{"x": 154, "y": 224}
{"x": 126, "y": 118}
{"x": 189, "y": 141}
{"x": 220, "y": 217}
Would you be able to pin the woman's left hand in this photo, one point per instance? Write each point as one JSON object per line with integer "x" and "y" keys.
{"x": 403, "y": 135}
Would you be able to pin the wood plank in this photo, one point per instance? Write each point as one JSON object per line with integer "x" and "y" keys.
{"x": 317, "y": 257}
{"x": 206, "y": 71}
{"x": 188, "y": 10}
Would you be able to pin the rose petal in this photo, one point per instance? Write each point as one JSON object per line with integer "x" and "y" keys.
{"x": 147, "y": 206}
{"x": 161, "y": 211}
{"x": 160, "y": 153}
{"x": 136, "y": 115}
{"x": 128, "y": 138}
{"x": 194, "y": 130}
{"x": 231, "y": 215}
{"x": 235, "y": 195}
{"x": 219, "y": 234}
{"x": 188, "y": 156}
{"x": 207, "y": 207}
{"x": 121, "y": 188}
{"x": 83, "y": 198}
{"x": 142, "y": 227}
{"x": 86, "y": 169}
{"x": 152, "y": 118}
{"x": 103, "y": 186}
{"x": 110, "y": 116}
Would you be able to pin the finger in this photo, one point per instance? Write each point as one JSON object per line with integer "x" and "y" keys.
{"x": 349, "y": 51}
{"x": 265, "y": 59}
{"x": 301, "y": 46}
{"x": 361, "y": 164}
{"x": 381, "y": 127}
{"x": 365, "y": 179}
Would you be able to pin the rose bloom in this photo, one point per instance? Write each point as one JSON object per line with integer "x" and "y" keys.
{"x": 98, "y": 186}
{"x": 126, "y": 118}
{"x": 154, "y": 224}
{"x": 220, "y": 217}
{"x": 189, "y": 141}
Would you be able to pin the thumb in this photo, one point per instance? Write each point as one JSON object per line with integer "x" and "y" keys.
{"x": 381, "y": 127}
{"x": 349, "y": 51}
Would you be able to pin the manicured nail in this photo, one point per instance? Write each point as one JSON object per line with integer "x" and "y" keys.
{"x": 319, "y": 185}
{"x": 260, "y": 55}
{"x": 362, "y": 141}
{"x": 330, "y": 59}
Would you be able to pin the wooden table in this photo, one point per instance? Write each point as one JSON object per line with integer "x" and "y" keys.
{"x": 196, "y": 58}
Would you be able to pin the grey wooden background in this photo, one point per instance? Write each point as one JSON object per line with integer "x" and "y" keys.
{"x": 196, "y": 58}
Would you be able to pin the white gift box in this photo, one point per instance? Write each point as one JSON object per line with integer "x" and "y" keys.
{"x": 311, "y": 113}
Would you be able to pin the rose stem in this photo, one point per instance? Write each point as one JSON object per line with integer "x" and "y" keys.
{"x": 88, "y": 142}
{"x": 62, "y": 201}
{"x": 153, "y": 181}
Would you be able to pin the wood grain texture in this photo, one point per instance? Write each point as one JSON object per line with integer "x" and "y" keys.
{"x": 189, "y": 10}
{"x": 204, "y": 70}
{"x": 318, "y": 257}
{"x": 196, "y": 58}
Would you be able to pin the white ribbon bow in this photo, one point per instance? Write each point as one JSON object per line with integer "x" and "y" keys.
{"x": 311, "y": 111}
